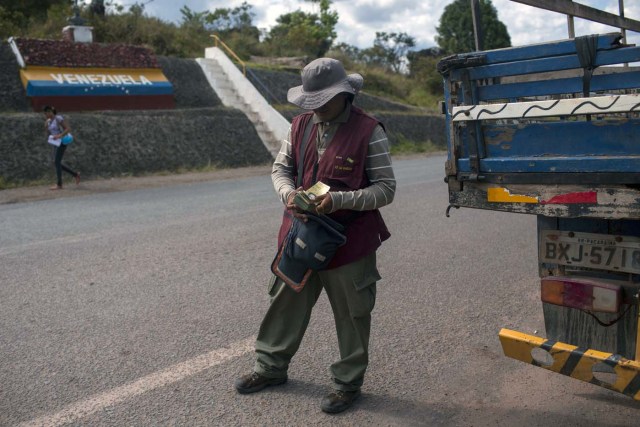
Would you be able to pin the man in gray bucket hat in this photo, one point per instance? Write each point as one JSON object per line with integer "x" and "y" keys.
{"x": 338, "y": 144}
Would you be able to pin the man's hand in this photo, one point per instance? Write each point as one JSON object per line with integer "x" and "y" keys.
{"x": 292, "y": 195}
{"x": 323, "y": 204}
{"x": 293, "y": 208}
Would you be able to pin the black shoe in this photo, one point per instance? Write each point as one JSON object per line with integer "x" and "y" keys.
{"x": 338, "y": 401}
{"x": 255, "y": 382}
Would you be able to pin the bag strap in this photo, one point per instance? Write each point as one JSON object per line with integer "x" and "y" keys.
{"x": 301, "y": 151}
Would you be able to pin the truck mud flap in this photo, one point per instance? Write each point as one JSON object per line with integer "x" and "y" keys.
{"x": 573, "y": 361}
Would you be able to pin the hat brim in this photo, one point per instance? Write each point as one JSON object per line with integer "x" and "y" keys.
{"x": 313, "y": 100}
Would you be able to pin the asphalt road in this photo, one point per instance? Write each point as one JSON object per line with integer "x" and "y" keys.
{"x": 140, "y": 308}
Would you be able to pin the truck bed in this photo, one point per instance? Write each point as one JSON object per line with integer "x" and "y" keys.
{"x": 549, "y": 129}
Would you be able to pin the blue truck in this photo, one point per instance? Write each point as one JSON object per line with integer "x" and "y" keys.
{"x": 553, "y": 130}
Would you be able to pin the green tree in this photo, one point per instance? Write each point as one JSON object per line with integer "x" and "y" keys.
{"x": 11, "y": 23}
{"x": 51, "y": 27}
{"x": 455, "y": 32}
{"x": 346, "y": 53}
{"x": 304, "y": 34}
{"x": 235, "y": 27}
{"x": 228, "y": 19}
{"x": 422, "y": 69}
{"x": 36, "y": 9}
{"x": 193, "y": 19}
{"x": 192, "y": 36}
{"x": 135, "y": 27}
{"x": 389, "y": 50}
{"x": 97, "y": 8}
{"x": 17, "y": 17}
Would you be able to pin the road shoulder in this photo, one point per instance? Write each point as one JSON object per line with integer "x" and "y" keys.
{"x": 108, "y": 185}
{"x": 101, "y": 185}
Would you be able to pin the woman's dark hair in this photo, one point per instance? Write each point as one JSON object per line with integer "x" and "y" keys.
{"x": 49, "y": 109}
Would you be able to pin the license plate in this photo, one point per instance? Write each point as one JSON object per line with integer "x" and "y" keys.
{"x": 599, "y": 251}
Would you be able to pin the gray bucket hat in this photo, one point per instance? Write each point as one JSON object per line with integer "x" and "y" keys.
{"x": 322, "y": 79}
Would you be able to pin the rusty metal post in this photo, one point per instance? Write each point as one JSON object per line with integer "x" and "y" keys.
{"x": 477, "y": 24}
{"x": 624, "y": 32}
{"x": 571, "y": 28}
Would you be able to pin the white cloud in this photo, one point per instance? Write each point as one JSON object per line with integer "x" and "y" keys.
{"x": 527, "y": 24}
{"x": 360, "y": 19}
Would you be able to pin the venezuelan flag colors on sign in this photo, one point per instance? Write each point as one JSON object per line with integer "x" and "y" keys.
{"x": 97, "y": 88}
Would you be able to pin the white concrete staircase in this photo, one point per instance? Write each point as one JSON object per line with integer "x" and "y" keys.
{"x": 235, "y": 90}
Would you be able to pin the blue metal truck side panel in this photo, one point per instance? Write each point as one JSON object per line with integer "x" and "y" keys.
{"x": 629, "y": 54}
{"x": 599, "y": 83}
{"x": 600, "y": 148}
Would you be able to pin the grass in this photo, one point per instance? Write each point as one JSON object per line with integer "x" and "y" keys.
{"x": 7, "y": 185}
{"x": 182, "y": 170}
{"x": 382, "y": 83}
{"x": 399, "y": 88}
{"x": 414, "y": 147}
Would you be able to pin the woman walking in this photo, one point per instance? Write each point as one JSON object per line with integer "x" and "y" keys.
{"x": 59, "y": 137}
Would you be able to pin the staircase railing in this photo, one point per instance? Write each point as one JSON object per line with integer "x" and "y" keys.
{"x": 273, "y": 99}
{"x": 217, "y": 41}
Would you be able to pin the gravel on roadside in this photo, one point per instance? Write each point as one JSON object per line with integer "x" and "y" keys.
{"x": 42, "y": 192}
{"x": 70, "y": 189}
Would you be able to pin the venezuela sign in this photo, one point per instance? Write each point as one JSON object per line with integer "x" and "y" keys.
{"x": 70, "y": 89}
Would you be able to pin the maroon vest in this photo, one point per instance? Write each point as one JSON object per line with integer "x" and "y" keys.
{"x": 342, "y": 167}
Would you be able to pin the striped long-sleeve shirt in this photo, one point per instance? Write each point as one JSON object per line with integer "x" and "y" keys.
{"x": 378, "y": 168}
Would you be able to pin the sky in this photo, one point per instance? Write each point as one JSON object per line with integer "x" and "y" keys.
{"x": 360, "y": 19}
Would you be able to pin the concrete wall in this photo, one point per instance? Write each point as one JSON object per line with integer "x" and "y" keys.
{"x": 199, "y": 132}
{"x": 403, "y": 122}
{"x": 115, "y": 143}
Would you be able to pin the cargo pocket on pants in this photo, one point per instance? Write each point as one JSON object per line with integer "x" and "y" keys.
{"x": 365, "y": 287}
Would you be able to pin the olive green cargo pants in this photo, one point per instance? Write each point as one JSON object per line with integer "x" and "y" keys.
{"x": 351, "y": 290}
